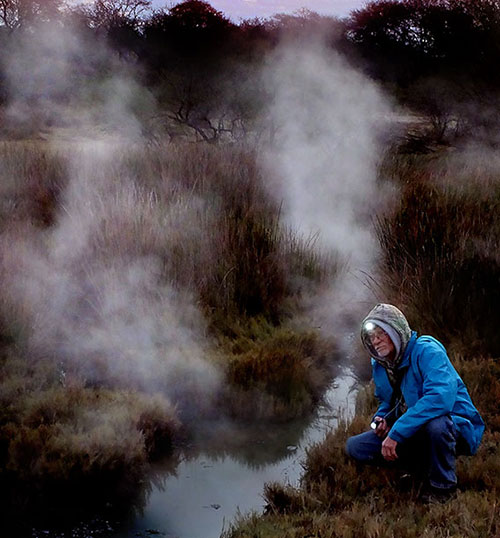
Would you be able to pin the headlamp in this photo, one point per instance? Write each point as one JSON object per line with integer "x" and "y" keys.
{"x": 369, "y": 326}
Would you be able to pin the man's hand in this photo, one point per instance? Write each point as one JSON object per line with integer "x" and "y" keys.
{"x": 382, "y": 428}
{"x": 389, "y": 449}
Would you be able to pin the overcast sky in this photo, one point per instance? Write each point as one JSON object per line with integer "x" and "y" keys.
{"x": 244, "y": 9}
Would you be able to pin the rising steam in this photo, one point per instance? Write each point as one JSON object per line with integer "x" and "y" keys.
{"x": 329, "y": 120}
{"x": 91, "y": 288}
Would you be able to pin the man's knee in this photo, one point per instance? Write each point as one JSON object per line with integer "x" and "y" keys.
{"x": 440, "y": 427}
{"x": 363, "y": 447}
{"x": 351, "y": 447}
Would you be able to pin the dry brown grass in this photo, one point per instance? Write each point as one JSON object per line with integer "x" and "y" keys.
{"x": 440, "y": 246}
{"x": 32, "y": 177}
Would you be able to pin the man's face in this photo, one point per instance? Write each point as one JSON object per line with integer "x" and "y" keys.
{"x": 382, "y": 343}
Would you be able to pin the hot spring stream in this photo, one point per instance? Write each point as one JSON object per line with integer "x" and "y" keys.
{"x": 207, "y": 491}
{"x": 201, "y": 494}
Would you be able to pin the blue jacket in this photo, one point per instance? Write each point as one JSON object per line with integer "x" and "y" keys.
{"x": 431, "y": 387}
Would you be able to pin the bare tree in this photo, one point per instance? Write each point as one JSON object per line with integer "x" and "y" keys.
{"x": 20, "y": 13}
{"x": 109, "y": 12}
{"x": 200, "y": 110}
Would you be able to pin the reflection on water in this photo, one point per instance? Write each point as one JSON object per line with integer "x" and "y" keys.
{"x": 200, "y": 490}
{"x": 209, "y": 487}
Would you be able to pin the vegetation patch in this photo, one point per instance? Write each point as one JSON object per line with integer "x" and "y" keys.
{"x": 440, "y": 256}
{"x": 65, "y": 450}
{"x": 144, "y": 292}
{"x": 285, "y": 373}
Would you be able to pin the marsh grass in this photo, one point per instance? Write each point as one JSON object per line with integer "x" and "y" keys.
{"x": 252, "y": 265}
{"x": 67, "y": 450}
{"x": 182, "y": 245}
{"x": 64, "y": 432}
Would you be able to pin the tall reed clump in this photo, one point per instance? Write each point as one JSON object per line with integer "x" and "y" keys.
{"x": 441, "y": 259}
{"x": 247, "y": 264}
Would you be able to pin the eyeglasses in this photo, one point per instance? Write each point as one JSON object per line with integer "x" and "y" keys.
{"x": 377, "y": 333}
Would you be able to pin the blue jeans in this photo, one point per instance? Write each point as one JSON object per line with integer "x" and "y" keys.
{"x": 431, "y": 450}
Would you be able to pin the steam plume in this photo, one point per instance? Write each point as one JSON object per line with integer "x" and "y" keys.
{"x": 92, "y": 288}
{"x": 329, "y": 119}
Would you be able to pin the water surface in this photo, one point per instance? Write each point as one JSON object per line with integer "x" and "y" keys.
{"x": 209, "y": 489}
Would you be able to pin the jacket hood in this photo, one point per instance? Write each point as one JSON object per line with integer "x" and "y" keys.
{"x": 393, "y": 321}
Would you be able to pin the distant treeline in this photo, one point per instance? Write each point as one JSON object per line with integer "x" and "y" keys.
{"x": 437, "y": 56}
{"x": 399, "y": 40}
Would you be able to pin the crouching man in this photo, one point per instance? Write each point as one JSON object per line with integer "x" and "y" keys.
{"x": 426, "y": 416}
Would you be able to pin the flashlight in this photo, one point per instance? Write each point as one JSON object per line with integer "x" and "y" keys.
{"x": 376, "y": 421}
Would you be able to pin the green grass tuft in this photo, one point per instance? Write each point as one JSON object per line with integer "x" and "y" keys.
{"x": 284, "y": 373}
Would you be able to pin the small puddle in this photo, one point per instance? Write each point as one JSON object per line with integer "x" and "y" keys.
{"x": 207, "y": 491}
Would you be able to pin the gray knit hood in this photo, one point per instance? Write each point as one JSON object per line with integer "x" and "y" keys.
{"x": 394, "y": 323}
